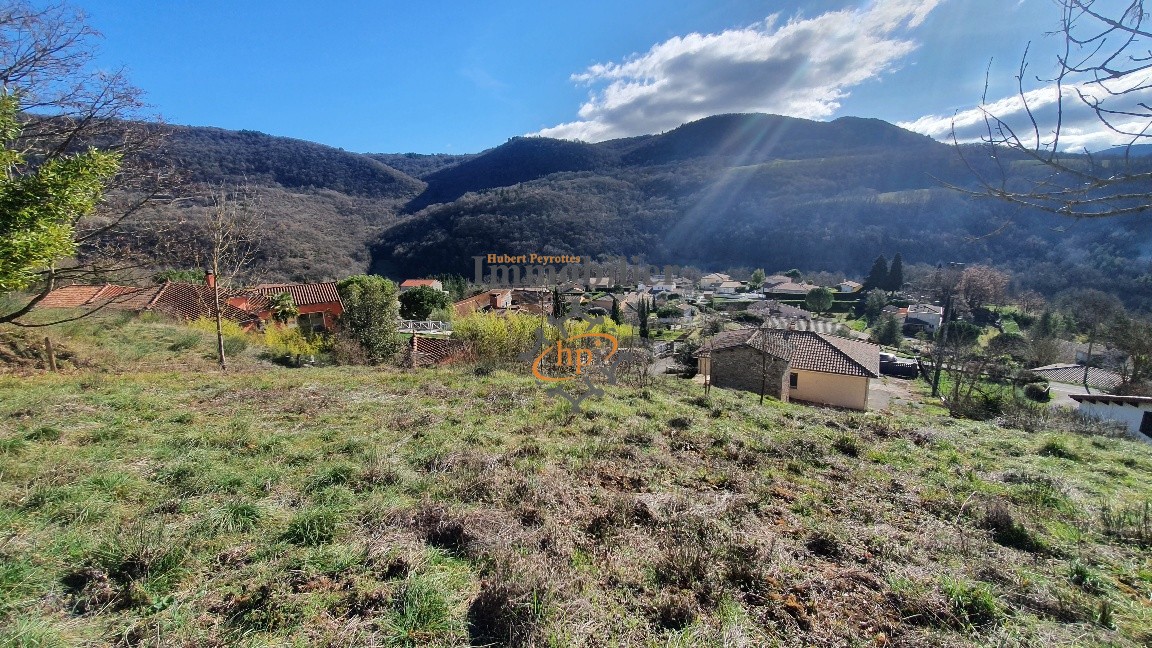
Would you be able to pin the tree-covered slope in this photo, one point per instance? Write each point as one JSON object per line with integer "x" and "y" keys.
{"x": 521, "y": 159}
{"x": 754, "y": 191}
{"x": 214, "y": 154}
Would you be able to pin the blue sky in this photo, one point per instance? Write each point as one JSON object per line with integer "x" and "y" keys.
{"x": 443, "y": 76}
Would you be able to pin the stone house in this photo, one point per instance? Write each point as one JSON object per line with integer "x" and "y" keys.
{"x": 793, "y": 365}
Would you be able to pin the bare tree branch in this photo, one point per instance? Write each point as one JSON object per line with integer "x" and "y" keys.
{"x": 1105, "y": 67}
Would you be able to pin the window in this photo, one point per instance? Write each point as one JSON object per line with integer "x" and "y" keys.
{"x": 793, "y": 379}
{"x": 1146, "y": 424}
{"x": 311, "y": 322}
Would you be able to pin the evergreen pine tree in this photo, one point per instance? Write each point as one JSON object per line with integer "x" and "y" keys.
{"x": 889, "y": 332}
{"x": 878, "y": 275}
{"x": 895, "y": 279}
{"x": 615, "y": 315}
{"x": 642, "y": 311}
{"x": 559, "y": 306}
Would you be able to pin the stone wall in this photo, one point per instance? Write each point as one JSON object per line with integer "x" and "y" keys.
{"x": 740, "y": 368}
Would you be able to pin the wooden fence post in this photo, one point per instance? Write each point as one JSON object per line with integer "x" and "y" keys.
{"x": 51, "y": 353}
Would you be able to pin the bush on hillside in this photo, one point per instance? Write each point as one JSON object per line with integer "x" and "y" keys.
{"x": 1038, "y": 392}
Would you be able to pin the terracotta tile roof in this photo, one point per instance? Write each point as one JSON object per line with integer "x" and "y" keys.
{"x": 471, "y": 304}
{"x": 828, "y": 327}
{"x": 193, "y": 301}
{"x": 79, "y": 295}
{"x": 70, "y": 296}
{"x": 416, "y": 283}
{"x": 856, "y": 358}
{"x": 181, "y": 300}
{"x": 304, "y": 294}
{"x": 791, "y": 288}
{"x": 726, "y": 339}
{"x": 807, "y": 350}
{"x": 1073, "y": 374}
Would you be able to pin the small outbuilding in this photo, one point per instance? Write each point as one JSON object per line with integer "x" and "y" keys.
{"x": 1135, "y": 412}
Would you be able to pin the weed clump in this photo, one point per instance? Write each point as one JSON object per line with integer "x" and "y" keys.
{"x": 508, "y": 612}
{"x": 1058, "y": 447}
{"x": 1007, "y": 531}
{"x": 312, "y": 527}
{"x": 420, "y": 615}
{"x": 974, "y": 604}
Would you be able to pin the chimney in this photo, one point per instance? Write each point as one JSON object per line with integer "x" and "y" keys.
{"x": 209, "y": 279}
{"x": 494, "y": 300}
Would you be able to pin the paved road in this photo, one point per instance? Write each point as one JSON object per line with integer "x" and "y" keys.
{"x": 1061, "y": 391}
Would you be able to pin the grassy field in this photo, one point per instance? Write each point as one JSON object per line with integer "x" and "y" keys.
{"x": 149, "y": 500}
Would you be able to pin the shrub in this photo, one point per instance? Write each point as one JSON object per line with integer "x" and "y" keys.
{"x": 369, "y": 320}
{"x": 289, "y": 341}
{"x": 235, "y": 337}
{"x": 1037, "y": 392}
{"x": 498, "y": 338}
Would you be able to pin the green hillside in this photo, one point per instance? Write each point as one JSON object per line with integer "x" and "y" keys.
{"x": 147, "y": 504}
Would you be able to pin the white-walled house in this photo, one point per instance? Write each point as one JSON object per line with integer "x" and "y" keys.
{"x": 926, "y": 315}
{"x": 1135, "y": 412}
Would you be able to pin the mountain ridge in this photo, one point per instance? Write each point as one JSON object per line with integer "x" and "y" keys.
{"x": 728, "y": 191}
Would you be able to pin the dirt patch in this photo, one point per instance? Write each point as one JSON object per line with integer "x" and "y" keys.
{"x": 24, "y": 351}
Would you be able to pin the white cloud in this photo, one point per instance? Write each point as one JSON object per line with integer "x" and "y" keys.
{"x": 801, "y": 67}
{"x": 1080, "y": 127}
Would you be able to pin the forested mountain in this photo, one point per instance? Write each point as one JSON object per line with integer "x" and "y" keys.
{"x": 753, "y": 191}
{"x": 212, "y": 154}
{"x": 726, "y": 191}
{"x": 520, "y": 160}
{"x": 419, "y": 165}
{"x": 320, "y": 205}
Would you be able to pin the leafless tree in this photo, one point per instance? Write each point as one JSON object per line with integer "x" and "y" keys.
{"x": 775, "y": 357}
{"x": 231, "y": 225}
{"x": 1030, "y": 302}
{"x": 982, "y": 286}
{"x": 47, "y": 56}
{"x": 1104, "y": 70}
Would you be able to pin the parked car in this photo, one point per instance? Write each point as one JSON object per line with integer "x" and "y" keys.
{"x": 890, "y": 365}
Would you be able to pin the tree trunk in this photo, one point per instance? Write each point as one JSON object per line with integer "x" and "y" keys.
{"x": 219, "y": 324}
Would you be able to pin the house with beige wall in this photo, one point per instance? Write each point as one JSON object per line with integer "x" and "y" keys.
{"x": 792, "y": 365}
